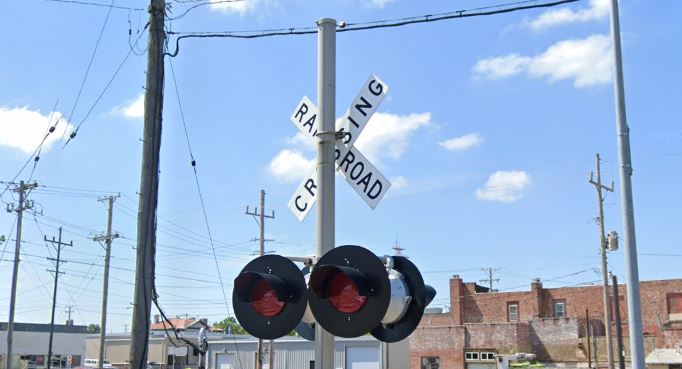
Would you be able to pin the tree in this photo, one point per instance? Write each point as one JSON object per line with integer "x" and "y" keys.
{"x": 230, "y": 325}
{"x": 93, "y": 328}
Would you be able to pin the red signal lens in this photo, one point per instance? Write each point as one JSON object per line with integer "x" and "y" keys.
{"x": 264, "y": 299}
{"x": 343, "y": 294}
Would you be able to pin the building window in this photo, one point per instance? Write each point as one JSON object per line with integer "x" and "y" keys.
{"x": 559, "y": 309}
{"x": 487, "y": 356}
{"x": 431, "y": 362}
{"x": 470, "y": 355}
{"x": 513, "y": 311}
{"x": 674, "y": 306}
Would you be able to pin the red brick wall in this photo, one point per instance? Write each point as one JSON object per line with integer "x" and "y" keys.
{"x": 447, "y": 343}
{"x": 502, "y": 337}
{"x": 479, "y": 320}
{"x": 492, "y": 307}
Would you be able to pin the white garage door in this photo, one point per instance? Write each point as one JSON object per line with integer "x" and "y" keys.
{"x": 480, "y": 365}
{"x": 362, "y": 358}
{"x": 224, "y": 361}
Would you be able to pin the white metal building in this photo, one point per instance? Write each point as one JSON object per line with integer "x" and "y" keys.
{"x": 30, "y": 343}
{"x": 239, "y": 352}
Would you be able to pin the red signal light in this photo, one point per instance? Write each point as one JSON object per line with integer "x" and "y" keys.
{"x": 344, "y": 294}
{"x": 264, "y": 299}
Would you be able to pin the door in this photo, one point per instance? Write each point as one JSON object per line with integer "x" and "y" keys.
{"x": 224, "y": 361}
{"x": 362, "y": 357}
{"x": 480, "y": 365}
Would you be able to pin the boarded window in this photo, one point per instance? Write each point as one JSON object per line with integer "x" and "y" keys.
{"x": 430, "y": 362}
{"x": 674, "y": 306}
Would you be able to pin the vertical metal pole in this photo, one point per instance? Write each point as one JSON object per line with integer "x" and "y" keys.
{"x": 604, "y": 267}
{"x": 54, "y": 299}
{"x": 326, "y": 99}
{"x": 630, "y": 242}
{"x": 105, "y": 286}
{"x": 587, "y": 333}
{"x": 15, "y": 274}
{"x": 149, "y": 188}
{"x": 261, "y": 251}
{"x": 619, "y": 327}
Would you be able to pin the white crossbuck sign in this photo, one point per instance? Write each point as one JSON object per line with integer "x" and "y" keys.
{"x": 358, "y": 171}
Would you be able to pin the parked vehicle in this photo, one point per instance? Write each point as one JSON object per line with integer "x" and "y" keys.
{"x": 94, "y": 363}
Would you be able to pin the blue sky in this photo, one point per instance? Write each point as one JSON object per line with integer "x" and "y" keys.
{"x": 488, "y": 134}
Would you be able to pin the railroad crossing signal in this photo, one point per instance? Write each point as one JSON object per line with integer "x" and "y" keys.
{"x": 350, "y": 292}
{"x": 358, "y": 171}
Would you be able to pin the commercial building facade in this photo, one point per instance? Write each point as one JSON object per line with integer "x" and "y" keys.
{"x": 363, "y": 352}
{"x": 30, "y": 343}
{"x": 552, "y": 323}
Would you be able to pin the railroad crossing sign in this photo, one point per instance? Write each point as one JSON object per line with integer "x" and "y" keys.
{"x": 359, "y": 172}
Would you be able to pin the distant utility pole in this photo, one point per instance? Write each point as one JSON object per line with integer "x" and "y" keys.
{"x": 58, "y": 244}
{"x": 490, "y": 278}
{"x": 68, "y": 311}
{"x": 149, "y": 187}
{"x": 619, "y": 323}
{"x": 604, "y": 268}
{"x": 107, "y": 238}
{"x": 23, "y": 205}
{"x": 398, "y": 250}
{"x": 261, "y": 252}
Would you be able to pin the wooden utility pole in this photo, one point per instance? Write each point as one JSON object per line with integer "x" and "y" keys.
{"x": 261, "y": 252}
{"x": 23, "y": 205}
{"x": 149, "y": 188}
{"x": 56, "y": 272}
{"x": 619, "y": 325}
{"x": 604, "y": 268}
{"x": 107, "y": 238}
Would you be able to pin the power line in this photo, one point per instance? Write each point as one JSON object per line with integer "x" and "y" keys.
{"x": 92, "y": 58}
{"x": 110, "y": 6}
{"x": 388, "y": 23}
{"x": 202, "y": 3}
{"x": 99, "y": 97}
{"x": 203, "y": 208}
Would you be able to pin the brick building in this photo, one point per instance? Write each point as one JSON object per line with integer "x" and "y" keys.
{"x": 549, "y": 322}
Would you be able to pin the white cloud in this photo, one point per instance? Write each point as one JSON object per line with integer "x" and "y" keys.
{"x": 398, "y": 182}
{"x": 504, "y": 186}
{"x": 133, "y": 109}
{"x": 502, "y": 67}
{"x": 241, "y": 7}
{"x": 24, "y": 129}
{"x": 301, "y": 140}
{"x": 386, "y": 135}
{"x": 379, "y": 3}
{"x": 290, "y": 166}
{"x": 462, "y": 143}
{"x": 596, "y": 10}
{"x": 586, "y": 61}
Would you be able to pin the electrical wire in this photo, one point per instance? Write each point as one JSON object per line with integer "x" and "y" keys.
{"x": 201, "y": 201}
{"x": 92, "y": 58}
{"x": 111, "y": 6}
{"x": 99, "y": 97}
{"x": 202, "y": 3}
{"x": 389, "y": 23}
{"x": 40, "y": 147}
